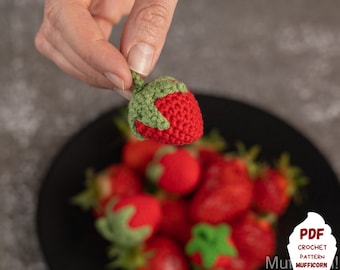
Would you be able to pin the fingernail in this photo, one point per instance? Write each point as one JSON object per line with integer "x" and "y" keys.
{"x": 125, "y": 94}
{"x": 140, "y": 58}
{"x": 118, "y": 82}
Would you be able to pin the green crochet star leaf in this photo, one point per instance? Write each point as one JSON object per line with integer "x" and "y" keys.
{"x": 115, "y": 228}
{"x": 142, "y": 104}
{"x": 210, "y": 241}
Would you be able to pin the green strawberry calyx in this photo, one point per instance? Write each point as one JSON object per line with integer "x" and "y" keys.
{"x": 142, "y": 103}
{"x": 88, "y": 198}
{"x": 211, "y": 141}
{"x": 115, "y": 227}
{"x": 131, "y": 258}
{"x": 293, "y": 173}
{"x": 211, "y": 242}
{"x": 249, "y": 156}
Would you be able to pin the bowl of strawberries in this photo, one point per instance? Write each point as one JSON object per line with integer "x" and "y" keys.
{"x": 226, "y": 201}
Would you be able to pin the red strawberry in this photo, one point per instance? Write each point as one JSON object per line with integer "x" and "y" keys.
{"x": 274, "y": 188}
{"x": 271, "y": 192}
{"x": 225, "y": 193}
{"x": 165, "y": 111}
{"x": 174, "y": 170}
{"x": 254, "y": 238}
{"x": 164, "y": 254}
{"x": 115, "y": 180}
{"x": 175, "y": 222}
{"x": 158, "y": 253}
{"x": 130, "y": 220}
{"x": 211, "y": 246}
{"x": 241, "y": 262}
{"x": 137, "y": 154}
{"x": 209, "y": 147}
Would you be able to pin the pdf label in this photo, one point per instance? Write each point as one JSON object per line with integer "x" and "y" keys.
{"x": 311, "y": 244}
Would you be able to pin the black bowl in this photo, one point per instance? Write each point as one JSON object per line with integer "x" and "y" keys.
{"x": 67, "y": 235}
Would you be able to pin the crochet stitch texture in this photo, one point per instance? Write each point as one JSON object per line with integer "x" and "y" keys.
{"x": 164, "y": 110}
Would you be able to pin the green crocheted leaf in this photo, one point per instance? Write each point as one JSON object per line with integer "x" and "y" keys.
{"x": 128, "y": 258}
{"x": 210, "y": 242}
{"x": 115, "y": 228}
{"x": 142, "y": 104}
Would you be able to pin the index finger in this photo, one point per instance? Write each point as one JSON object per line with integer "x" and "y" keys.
{"x": 80, "y": 30}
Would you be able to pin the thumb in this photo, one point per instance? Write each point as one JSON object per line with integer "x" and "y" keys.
{"x": 145, "y": 33}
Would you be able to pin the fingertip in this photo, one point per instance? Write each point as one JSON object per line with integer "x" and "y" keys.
{"x": 125, "y": 94}
{"x": 145, "y": 33}
{"x": 127, "y": 79}
{"x": 140, "y": 58}
{"x": 111, "y": 63}
{"x": 92, "y": 46}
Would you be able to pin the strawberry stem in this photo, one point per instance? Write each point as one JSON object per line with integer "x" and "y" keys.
{"x": 138, "y": 82}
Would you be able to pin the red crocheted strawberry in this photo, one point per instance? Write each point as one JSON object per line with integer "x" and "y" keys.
{"x": 116, "y": 180}
{"x": 209, "y": 147}
{"x": 131, "y": 220}
{"x": 241, "y": 262}
{"x": 164, "y": 254}
{"x": 274, "y": 188}
{"x": 211, "y": 246}
{"x": 158, "y": 253}
{"x": 254, "y": 238}
{"x": 174, "y": 169}
{"x": 175, "y": 222}
{"x": 226, "y": 191}
{"x": 165, "y": 111}
{"x": 137, "y": 154}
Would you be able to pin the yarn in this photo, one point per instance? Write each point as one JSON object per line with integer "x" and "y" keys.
{"x": 165, "y": 111}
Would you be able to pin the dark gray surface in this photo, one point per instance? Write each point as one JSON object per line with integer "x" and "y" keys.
{"x": 283, "y": 56}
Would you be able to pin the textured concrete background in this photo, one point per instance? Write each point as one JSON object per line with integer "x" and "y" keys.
{"x": 283, "y": 56}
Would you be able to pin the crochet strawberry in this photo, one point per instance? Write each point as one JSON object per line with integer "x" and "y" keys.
{"x": 209, "y": 147}
{"x": 158, "y": 253}
{"x": 165, "y": 111}
{"x": 175, "y": 222}
{"x": 136, "y": 154}
{"x": 226, "y": 191}
{"x": 164, "y": 254}
{"x": 211, "y": 246}
{"x": 241, "y": 262}
{"x": 131, "y": 220}
{"x": 174, "y": 169}
{"x": 254, "y": 237}
{"x": 274, "y": 188}
{"x": 115, "y": 180}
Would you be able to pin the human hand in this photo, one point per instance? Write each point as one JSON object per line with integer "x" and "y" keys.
{"x": 74, "y": 35}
